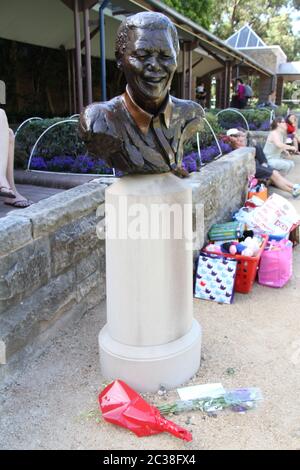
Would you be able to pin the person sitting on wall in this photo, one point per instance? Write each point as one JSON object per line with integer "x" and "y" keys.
{"x": 276, "y": 150}
{"x": 7, "y": 185}
{"x": 143, "y": 130}
{"x": 292, "y": 124}
{"x": 263, "y": 171}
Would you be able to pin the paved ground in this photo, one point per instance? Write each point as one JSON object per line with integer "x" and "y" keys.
{"x": 52, "y": 402}
{"x": 34, "y": 193}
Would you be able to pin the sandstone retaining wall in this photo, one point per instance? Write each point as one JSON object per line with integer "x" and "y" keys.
{"x": 52, "y": 264}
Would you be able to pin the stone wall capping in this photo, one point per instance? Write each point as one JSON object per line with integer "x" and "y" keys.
{"x": 49, "y": 214}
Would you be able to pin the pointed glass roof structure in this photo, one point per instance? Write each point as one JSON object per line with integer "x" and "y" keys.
{"x": 244, "y": 38}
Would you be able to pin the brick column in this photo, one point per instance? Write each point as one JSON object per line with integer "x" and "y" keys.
{"x": 227, "y": 82}
{"x": 266, "y": 85}
{"x": 279, "y": 90}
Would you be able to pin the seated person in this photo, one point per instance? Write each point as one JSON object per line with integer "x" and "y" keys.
{"x": 270, "y": 103}
{"x": 238, "y": 139}
{"x": 7, "y": 185}
{"x": 271, "y": 100}
{"x": 292, "y": 121}
{"x": 276, "y": 150}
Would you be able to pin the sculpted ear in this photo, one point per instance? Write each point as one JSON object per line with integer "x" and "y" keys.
{"x": 119, "y": 61}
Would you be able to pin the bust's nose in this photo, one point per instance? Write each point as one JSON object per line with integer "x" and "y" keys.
{"x": 153, "y": 64}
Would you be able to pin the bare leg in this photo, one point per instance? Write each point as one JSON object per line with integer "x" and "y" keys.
{"x": 10, "y": 171}
{"x": 281, "y": 182}
{"x": 10, "y": 162}
{"x": 4, "y": 146}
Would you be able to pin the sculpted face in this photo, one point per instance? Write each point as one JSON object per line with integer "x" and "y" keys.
{"x": 149, "y": 64}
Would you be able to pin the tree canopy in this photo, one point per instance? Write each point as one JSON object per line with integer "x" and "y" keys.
{"x": 270, "y": 19}
{"x": 197, "y": 10}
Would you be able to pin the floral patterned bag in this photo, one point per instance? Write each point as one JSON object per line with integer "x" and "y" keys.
{"x": 215, "y": 278}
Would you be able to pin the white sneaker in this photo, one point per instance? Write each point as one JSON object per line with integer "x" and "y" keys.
{"x": 296, "y": 190}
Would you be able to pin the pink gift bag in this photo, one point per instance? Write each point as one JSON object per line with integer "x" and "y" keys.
{"x": 276, "y": 264}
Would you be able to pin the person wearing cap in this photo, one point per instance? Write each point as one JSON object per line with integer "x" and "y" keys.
{"x": 238, "y": 139}
{"x": 7, "y": 141}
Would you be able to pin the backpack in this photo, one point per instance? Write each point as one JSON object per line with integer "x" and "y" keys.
{"x": 248, "y": 91}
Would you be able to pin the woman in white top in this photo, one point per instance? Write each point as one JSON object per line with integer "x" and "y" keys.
{"x": 276, "y": 149}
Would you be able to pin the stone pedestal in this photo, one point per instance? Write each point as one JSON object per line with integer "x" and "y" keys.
{"x": 150, "y": 337}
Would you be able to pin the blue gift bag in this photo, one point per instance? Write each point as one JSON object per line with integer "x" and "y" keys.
{"x": 215, "y": 278}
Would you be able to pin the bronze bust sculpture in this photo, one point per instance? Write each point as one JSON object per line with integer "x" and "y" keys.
{"x": 143, "y": 130}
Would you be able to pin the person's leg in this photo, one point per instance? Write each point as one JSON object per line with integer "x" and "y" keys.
{"x": 20, "y": 201}
{"x": 281, "y": 182}
{"x": 10, "y": 161}
{"x": 297, "y": 139}
{"x": 4, "y": 148}
{"x": 281, "y": 164}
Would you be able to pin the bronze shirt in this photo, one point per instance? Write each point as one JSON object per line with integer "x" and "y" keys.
{"x": 134, "y": 141}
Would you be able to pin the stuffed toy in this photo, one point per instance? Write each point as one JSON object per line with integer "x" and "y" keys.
{"x": 249, "y": 247}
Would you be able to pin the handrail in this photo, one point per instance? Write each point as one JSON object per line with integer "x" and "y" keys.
{"x": 216, "y": 140}
{"x": 236, "y": 111}
{"x": 42, "y": 135}
{"x": 27, "y": 120}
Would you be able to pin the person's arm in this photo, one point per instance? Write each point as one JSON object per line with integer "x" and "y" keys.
{"x": 278, "y": 142}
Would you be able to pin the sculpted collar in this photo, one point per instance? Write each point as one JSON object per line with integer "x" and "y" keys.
{"x": 141, "y": 117}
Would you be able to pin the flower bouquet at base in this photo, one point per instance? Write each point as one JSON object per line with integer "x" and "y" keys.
{"x": 239, "y": 399}
{"x": 121, "y": 405}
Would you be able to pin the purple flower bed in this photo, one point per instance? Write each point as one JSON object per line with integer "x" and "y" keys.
{"x": 191, "y": 160}
{"x": 69, "y": 164}
{"x": 85, "y": 164}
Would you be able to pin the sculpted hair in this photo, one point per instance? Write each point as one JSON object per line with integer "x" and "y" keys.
{"x": 144, "y": 20}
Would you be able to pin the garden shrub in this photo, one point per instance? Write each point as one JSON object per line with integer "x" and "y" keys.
{"x": 257, "y": 118}
{"x": 282, "y": 110}
{"x": 26, "y": 138}
{"x": 59, "y": 150}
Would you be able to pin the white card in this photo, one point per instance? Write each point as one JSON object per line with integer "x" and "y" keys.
{"x": 201, "y": 391}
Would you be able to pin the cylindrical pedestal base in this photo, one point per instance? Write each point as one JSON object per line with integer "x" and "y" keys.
{"x": 145, "y": 368}
{"x": 150, "y": 337}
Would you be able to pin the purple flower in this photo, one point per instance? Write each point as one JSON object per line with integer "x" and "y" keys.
{"x": 265, "y": 125}
{"x": 191, "y": 162}
{"x": 59, "y": 163}
{"x": 38, "y": 163}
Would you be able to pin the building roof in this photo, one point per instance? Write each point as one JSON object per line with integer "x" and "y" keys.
{"x": 289, "y": 68}
{"x": 245, "y": 37}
